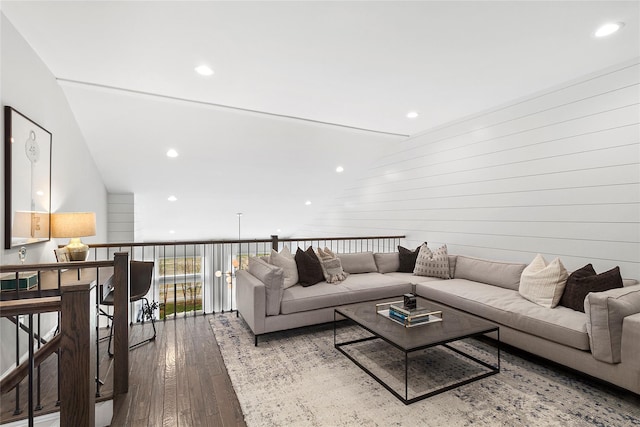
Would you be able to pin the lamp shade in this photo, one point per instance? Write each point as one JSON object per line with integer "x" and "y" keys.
{"x": 73, "y": 224}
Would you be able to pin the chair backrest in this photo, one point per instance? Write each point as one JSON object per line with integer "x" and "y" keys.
{"x": 140, "y": 275}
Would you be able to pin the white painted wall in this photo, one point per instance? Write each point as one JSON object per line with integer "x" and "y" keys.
{"x": 27, "y": 85}
{"x": 556, "y": 173}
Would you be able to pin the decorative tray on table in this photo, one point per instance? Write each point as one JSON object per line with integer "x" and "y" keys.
{"x": 409, "y": 318}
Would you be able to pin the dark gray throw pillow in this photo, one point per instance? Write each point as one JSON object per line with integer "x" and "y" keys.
{"x": 408, "y": 259}
{"x": 585, "y": 280}
{"x": 309, "y": 267}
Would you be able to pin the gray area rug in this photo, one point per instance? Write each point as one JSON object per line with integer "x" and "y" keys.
{"x": 297, "y": 378}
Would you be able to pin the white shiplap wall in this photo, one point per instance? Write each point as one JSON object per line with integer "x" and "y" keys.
{"x": 121, "y": 217}
{"x": 556, "y": 173}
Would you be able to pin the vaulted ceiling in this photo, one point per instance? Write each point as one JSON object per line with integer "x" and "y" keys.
{"x": 298, "y": 89}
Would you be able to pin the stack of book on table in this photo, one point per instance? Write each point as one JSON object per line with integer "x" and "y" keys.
{"x": 408, "y": 317}
{"x": 413, "y": 316}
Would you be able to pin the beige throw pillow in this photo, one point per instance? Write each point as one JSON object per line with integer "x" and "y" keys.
{"x": 432, "y": 264}
{"x": 543, "y": 283}
{"x": 273, "y": 279}
{"x": 331, "y": 266}
{"x": 285, "y": 260}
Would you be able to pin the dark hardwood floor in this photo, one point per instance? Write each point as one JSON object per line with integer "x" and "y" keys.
{"x": 177, "y": 380}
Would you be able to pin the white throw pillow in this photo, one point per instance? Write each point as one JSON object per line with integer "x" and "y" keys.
{"x": 432, "y": 264}
{"x": 285, "y": 260}
{"x": 543, "y": 283}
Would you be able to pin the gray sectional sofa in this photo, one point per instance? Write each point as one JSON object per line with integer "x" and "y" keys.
{"x": 603, "y": 342}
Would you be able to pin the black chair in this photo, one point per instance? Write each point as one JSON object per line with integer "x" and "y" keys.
{"x": 140, "y": 275}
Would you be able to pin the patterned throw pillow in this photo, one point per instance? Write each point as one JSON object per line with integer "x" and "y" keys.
{"x": 432, "y": 264}
{"x": 543, "y": 283}
{"x": 331, "y": 266}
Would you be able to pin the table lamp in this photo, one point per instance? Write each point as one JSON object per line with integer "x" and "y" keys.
{"x": 74, "y": 225}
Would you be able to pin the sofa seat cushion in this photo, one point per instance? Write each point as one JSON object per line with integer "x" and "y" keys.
{"x": 508, "y": 307}
{"x": 300, "y": 298}
{"x": 369, "y": 286}
{"x": 355, "y": 288}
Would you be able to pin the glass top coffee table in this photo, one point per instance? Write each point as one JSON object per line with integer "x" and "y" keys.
{"x": 433, "y": 346}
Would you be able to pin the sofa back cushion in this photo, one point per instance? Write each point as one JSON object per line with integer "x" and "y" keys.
{"x": 605, "y": 314}
{"x": 453, "y": 260}
{"x": 496, "y": 273}
{"x": 273, "y": 279}
{"x": 387, "y": 262}
{"x": 360, "y": 262}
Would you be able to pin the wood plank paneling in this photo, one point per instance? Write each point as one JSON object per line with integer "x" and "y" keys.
{"x": 556, "y": 173}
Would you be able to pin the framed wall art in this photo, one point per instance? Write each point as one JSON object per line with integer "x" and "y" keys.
{"x": 27, "y": 158}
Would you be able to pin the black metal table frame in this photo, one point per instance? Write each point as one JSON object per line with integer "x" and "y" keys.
{"x": 405, "y": 399}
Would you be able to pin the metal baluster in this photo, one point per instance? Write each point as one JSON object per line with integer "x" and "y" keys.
{"x": 98, "y": 292}
{"x": 58, "y": 351}
{"x": 31, "y": 370}
{"x": 175, "y": 290}
{"x": 17, "y": 410}
{"x": 39, "y": 404}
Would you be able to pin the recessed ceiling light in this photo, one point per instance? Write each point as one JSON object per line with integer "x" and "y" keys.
{"x": 412, "y": 114}
{"x": 172, "y": 153}
{"x": 339, "y": 169}
{"x": 308, "y": 202}
{"x": 278, "y": 230}
{"x": 608, "y": 29}
{"x": 204, "y": 70}
{"x": 172, "y": 198}
{"x": 172, "y": 232}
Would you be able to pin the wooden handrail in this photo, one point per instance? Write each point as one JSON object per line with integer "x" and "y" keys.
{"x": 9, "y": 382}
{"x": 235, "y": 241}
{"x": 55, "y": 266}
{"x": 30, "y": 305}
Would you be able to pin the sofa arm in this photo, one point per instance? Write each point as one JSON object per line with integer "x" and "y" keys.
{"x": 606, "y": 315}
{"x": 252, "y": 301}
{"x": 631, "y": 341}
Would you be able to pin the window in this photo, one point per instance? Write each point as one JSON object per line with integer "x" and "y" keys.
{"x": 180, "y": 285}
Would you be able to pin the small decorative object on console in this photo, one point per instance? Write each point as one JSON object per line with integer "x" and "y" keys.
{"x": 409, "y": 301}
{"x": 26, "y": 280}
